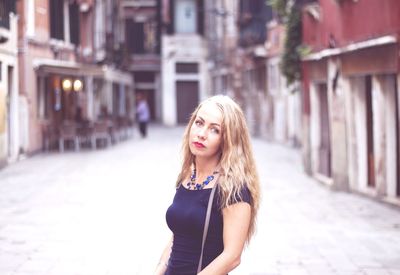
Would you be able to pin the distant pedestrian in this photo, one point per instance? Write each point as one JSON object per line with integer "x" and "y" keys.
{"x": 143, "y": 115}
{"x": 217, "y": 158}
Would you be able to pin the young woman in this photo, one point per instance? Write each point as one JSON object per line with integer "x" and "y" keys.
{"x": 216, "y": 153}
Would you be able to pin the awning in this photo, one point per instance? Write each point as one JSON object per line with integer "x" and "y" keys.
{"x": 46, "y": 66}
{"x": 384, "y": 40}
{"x": 72, "y": 68}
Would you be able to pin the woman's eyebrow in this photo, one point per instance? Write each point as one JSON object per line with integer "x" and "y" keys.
{"x": 213, "y": 123}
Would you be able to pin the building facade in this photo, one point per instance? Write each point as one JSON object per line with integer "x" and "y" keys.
{"x": 222, "y": 37}
{"x": 9, "y": 97}
{"x": 184, "y": 59}
{"x": 142, "y": 30}
{"x": 252, "y": 18}
{"x": 283, "y": 108}
{"x": 351, "y": 85}
{"x": 245, "y": 42}
{"x": 70, "y": 55}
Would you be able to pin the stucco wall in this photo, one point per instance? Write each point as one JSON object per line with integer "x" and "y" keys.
{"x": 181, "y": 48}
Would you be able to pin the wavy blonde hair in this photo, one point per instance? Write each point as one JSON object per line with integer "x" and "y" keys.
{"x": 237, "y": 165}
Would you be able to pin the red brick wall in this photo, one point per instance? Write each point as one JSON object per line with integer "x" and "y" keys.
{"x": 351, "y": 22}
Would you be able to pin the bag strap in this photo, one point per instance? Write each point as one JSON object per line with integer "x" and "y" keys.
{"x": 206, "y": 224}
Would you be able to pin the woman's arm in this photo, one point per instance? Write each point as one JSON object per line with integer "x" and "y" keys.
{"x": 236, "y": 220}
{"x": 162, "y": 265}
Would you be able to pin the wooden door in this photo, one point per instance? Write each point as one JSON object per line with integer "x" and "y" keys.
{"x": 187, "y": 99}
{"x": 370, "y": 132}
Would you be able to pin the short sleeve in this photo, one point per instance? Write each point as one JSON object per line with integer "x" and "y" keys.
{"x": 243, "y": 196}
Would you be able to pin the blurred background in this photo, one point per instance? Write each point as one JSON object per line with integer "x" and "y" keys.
{"x": 318, "y": 81}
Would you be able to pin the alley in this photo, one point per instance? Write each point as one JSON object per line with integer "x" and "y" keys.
{"x": 103, "y": 213}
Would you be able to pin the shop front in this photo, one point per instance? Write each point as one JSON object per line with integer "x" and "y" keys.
{"x": 80, "y": 105}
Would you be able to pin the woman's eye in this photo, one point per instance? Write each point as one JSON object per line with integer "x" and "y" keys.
{"x": 198, "y": 122}
{"x": 215, "y": 130}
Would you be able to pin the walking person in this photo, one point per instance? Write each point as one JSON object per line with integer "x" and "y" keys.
{"x": 217, "y": 168}
{"x": 143, "y": 114}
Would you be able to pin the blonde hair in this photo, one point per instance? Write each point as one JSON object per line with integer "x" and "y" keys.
{"x": 237, "y": 165}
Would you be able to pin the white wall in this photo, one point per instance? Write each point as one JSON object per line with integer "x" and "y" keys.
{"x": 349, "y": 87}
{"x": 9, "y": 140}
{"x": 379, "y": 133}
{"x": 285, "y": 103}
{"x": 181, "y": 48}
{"x": 389, "y": 89}
{"x": 294, "y": 116}
{"x": 280, "y": 119}
{"x": 361, "y": 131}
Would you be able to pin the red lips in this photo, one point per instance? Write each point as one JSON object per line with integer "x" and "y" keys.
{"x": 199, "y": 145}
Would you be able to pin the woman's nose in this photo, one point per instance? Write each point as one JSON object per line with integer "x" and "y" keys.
{"x": 201, "y": 133}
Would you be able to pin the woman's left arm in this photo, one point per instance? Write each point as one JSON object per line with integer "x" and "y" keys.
{"x": 236, "y": 220}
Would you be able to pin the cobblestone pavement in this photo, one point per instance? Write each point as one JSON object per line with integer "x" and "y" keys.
{"x": 102, "y": 212}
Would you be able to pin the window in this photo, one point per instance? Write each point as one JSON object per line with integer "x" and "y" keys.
{"x": 141, "y": 37}
{"x": 64, "y": 21}
{"x": 136, "y": 37}
{"x": 74, "y": 23}
{"x": 99, "y": 31}
{"x": 144, "y": 77}
{"x": 57, "y": 19}
{"x": 186, "y": 68}
{"x": 185, "y": 16}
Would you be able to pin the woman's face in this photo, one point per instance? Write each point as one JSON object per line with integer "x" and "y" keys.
{"x": 205, "y": 133}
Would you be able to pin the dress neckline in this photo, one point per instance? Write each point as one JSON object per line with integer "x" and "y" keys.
{"x": 190, "y": 190}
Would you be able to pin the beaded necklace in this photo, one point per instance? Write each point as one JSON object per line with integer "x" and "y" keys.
{"x": 192, "y": 185}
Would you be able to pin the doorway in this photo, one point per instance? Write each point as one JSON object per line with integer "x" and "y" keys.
{"x": 370, "y": 133}
{"x": 325, "y": 144}
{"x": 187, "y": 99}
{"x": 10, "y": 111}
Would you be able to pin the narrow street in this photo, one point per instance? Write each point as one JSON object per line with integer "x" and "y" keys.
{"x": 103, "y": 213}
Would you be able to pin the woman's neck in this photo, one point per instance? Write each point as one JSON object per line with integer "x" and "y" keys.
{"x": 205, "y": 167}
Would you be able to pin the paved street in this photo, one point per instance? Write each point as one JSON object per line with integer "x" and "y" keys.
{"x": 102, "y": 213}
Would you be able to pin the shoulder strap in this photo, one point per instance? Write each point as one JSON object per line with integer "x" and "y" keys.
{"x": 206, "y": 224}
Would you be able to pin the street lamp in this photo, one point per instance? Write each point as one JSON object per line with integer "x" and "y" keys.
{"x": 78, "y": 85}
{"x": 67, "y": 84}
{"x": 74, "y": 85}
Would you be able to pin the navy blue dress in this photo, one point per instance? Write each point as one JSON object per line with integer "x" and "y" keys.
{"x": 186, "y": 217}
